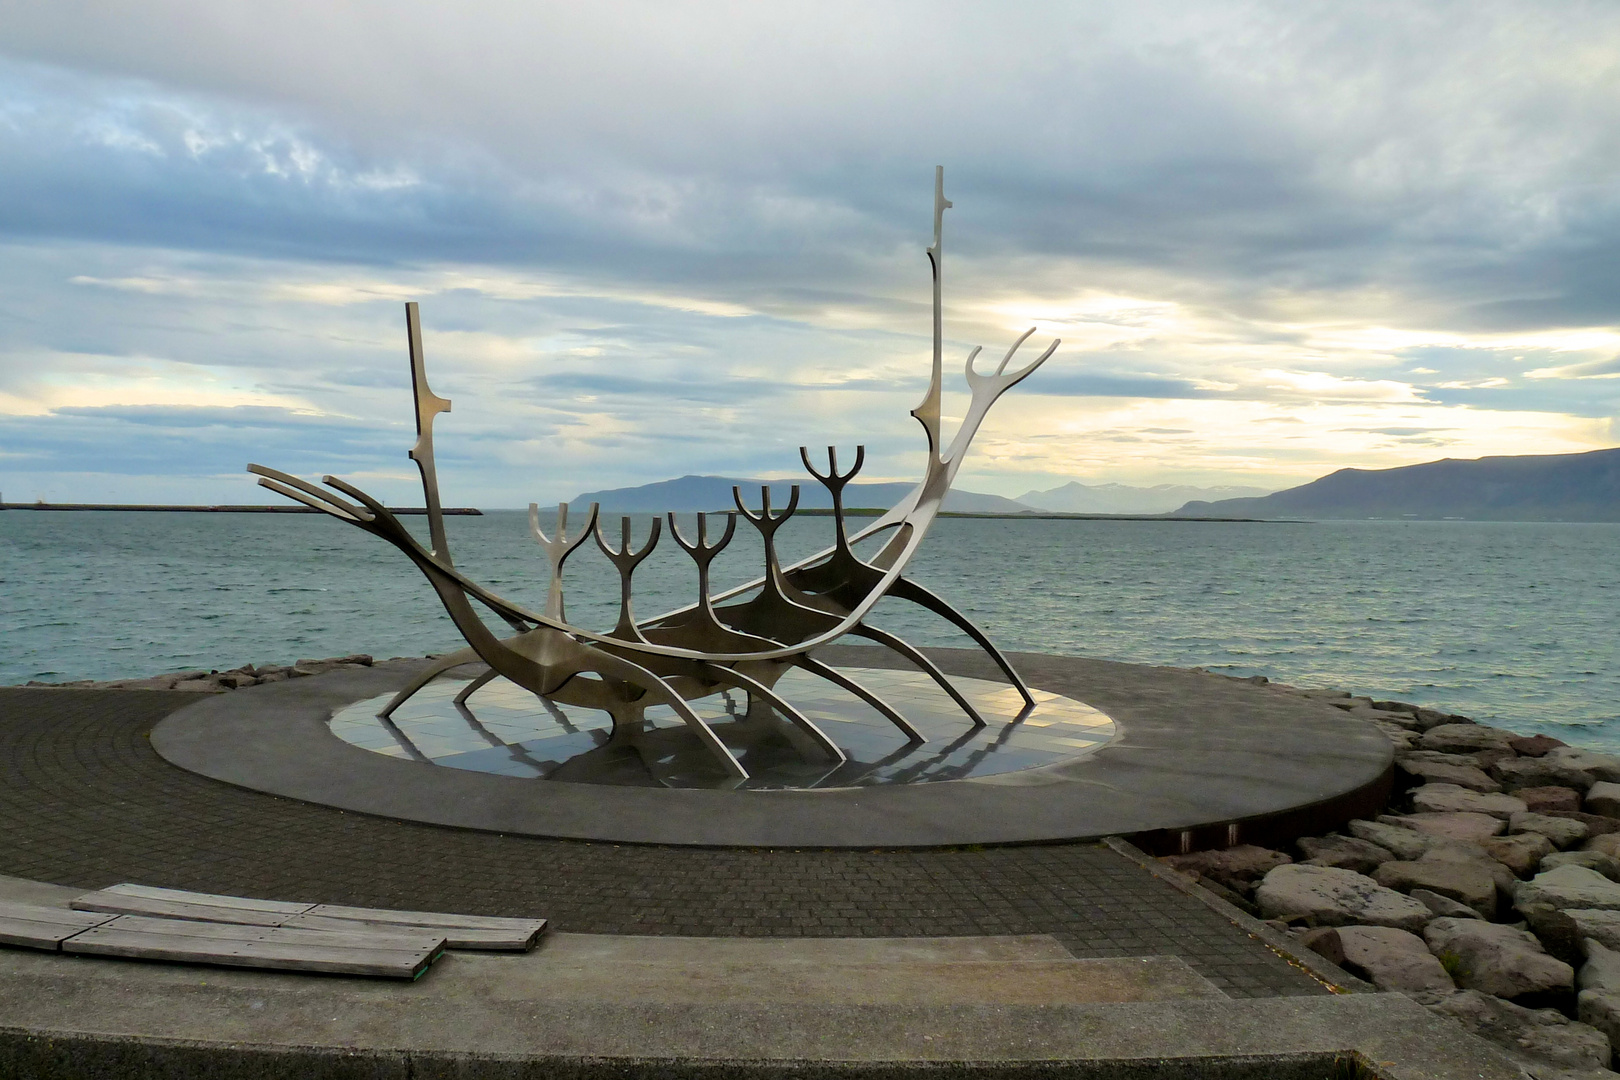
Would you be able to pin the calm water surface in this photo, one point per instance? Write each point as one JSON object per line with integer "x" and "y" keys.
{"x": 1514, "y": 624}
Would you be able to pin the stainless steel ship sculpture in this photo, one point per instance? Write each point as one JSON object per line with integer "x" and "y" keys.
{"x": 744, "y": 638}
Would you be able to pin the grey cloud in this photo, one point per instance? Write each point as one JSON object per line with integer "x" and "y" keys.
{"x": 1232, "y": 151}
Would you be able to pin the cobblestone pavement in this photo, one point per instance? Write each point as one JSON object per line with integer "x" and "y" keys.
{"x": 86, "y": 802}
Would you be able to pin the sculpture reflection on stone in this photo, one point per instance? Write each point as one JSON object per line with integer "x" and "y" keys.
{"x": 743, "y": 638}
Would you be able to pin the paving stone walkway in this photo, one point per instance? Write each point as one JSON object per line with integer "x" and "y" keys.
{"x": 85, "y": 801}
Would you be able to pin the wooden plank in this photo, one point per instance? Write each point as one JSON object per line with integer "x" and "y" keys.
{"x": 270, "y": 950}
{"x": 35, "y": 926}
{"x": 482, "y": 932}
{"x": 456, "y": 937}
{"x": 352, "y": 936}
{"x": 526, "y": 931}
{"x": 220, "y": 900}
{"x": 121, "y": 904}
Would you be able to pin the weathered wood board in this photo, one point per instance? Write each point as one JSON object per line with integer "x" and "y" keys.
{"x": 269, "y": 947}
{"x": 482, "y": 932}
{"x": 35, "y": 926}
{"x": 462, "y": 931}
{"x": 245, "y": 903}
{"x": 158, "y": 907}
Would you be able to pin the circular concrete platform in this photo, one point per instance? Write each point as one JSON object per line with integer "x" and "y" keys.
{"x": 1196, "y": 760}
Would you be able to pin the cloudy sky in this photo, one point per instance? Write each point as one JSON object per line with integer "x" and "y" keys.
{"x": 656, "y": 239}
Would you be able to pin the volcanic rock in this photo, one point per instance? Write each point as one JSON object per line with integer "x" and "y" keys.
{"x": 1540, "y": 800}
{"x": 1471, "y": 777}
{"x": 1522, "y": 853}
{"x": 1465, "y": 882}
{"x": 1465, "y": 738}
{"x": 1444, "y": 906}
{"x": 1596, "y": 824}
{"x": 1324, "y": 941}
{"x": 1544, "y": 1034}
{"x": 1534, "y": 745}
{"x": 1597, "y": 925}
{"x": 1452, "y": 799}
{"x": 1496, "y": 959}
{"x": 1601, "y": 970}
{"x": 1236, "y": 867}
{"x": 1391, "y": 959}
{"x": 1603, "y": 798}
{"x": 1403, "y": 842}
{"x": 1562, "y": 831}
{"x": 1607, "y": 865}
{"x": 1345, "y": 852}
{"x": 1335, "y": 897}
{"x": 1567, "y": 887}
{"x": 1546, "y": 771}
{"x": 1470, "y": 827}
{"x": 1600, "y": 1010}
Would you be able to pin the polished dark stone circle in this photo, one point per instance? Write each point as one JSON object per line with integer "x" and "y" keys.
{"x": 505, "y": 730}
{"x": 1197, "y": 760}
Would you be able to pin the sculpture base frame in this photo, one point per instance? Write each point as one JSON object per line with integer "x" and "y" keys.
{"x": 1202, "y": 761}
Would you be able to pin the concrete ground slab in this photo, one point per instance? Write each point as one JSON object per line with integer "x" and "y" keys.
{"x": 1032, "y": 970}
{"x": 1192, "y": 752}
{"x": 474, "y": 1016}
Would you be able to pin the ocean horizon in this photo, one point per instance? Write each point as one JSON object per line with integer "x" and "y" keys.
{"x": 1512, "y": 624}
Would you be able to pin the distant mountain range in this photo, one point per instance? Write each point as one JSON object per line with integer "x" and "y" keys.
{"x": 693, "y": 493}
{"x": 1542, "y": 487}
{"x": 1077, "y": 498}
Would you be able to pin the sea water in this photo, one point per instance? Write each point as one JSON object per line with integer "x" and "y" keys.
{"x": 1513, "y": 624}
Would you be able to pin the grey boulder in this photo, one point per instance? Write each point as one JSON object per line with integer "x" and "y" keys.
{"x": 1453, "y": 799}
{"x": 1533, "y": 1036}
{"x": 1402, "y": 842}
{"x": 1516, "y": 773}
{"x": 1594, "y": 924}
{"x": 1601, "y": 970}
{"x": 1344, "y": 852}
{"x": 1594, "y": 765}
{"x": 1444, "y": 906}
{"x": 1468, "y": 883}
{"x": 1235, "y": 867}
{"x": 1333, "y": 897}
{"x": 1391, "y": 959}
{"x": 1503, "y": 961}
{"x": 1600, "y": 1009}
{"x": 1567, "y": 887}
{"x": 1522, "y": 854}
{"x": 1434, "y": 772}
{"x": 1562, "y": 831}
{"x": 1465, "y": 825}
{"x": 1607, "y": 865}
{"x": 1603, "y": 797}
{"x": 1465, "y": 738}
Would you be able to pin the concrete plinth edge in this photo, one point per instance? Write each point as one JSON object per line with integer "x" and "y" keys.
{"x": 92, "y": 1058}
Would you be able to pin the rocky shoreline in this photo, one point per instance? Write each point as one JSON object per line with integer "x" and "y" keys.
{"x": 1488, "y": 890}
{"x": 212, "y": 682}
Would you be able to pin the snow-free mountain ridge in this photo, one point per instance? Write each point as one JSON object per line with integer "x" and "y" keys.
{"x": 1532, "y": 487}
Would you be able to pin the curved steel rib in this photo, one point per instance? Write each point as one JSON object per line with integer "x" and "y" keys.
{"x": 818, "y": 599}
